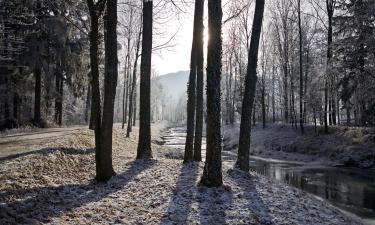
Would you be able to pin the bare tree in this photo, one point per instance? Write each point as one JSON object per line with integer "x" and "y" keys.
{"x": 199, "y": 93}
{"x": 191, "y": 101}
{"x": 132, "y": 98}
{"x": 144, "y": 143}
{"x": 110, "y": 82}
{"x": 300, "y": 69}
{"x": 212, "y": 173}
{"x": 250, "y": 89}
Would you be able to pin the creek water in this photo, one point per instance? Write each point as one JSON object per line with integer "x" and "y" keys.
{"x": 350, "y": 189}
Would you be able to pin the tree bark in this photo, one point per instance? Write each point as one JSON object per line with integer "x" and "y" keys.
{"x": 88, "y": 103}
{"x": 273, "y": 95}
{"x": 250, "y": 89}
{"x": 300, "y": 70}
{"x": 144, "y": 143}
{"x": 330, "y": 11}
{"x": 190, "y": 107}
{"x": 59, "y": 95}
{"x": 132, "y": 100}
{"x": 110, "y": 82}
{"x": 38, "y": 93}
{"x": 124, "y": 96}
{"x": 199, "y": 94}
{"x": 191, "y": 101}
{"x": 95, "y": 120}
{"x": 135, "y": 107}
{"x": 263, "y": 88}
{"x": 95, "y": 113}
{"x": 212, "y": 173}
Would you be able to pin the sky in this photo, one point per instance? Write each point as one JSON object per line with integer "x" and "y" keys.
{"x": 176, "y": 58}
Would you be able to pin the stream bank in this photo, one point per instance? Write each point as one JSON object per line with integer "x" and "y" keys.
{"x": 350, "y": 189}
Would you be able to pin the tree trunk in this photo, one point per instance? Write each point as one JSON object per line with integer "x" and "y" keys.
{"x": 330, "y": 11}
{"x": 292, "y": 102}
{"x": 230, "y": 92}
{"x": 95, "y": 118}
{"x": 330, "y": 103}
{"x": 135, "y": 107}
{"x": 212, "y": 173}
{"x": 200, "y": 79}
{"x": 338, "y": 111}
{"x": 88, "y": 103}
{"x": 59, "y": 96}
{"x": 95, "y": 113}
{"x": 273, "y": 95}
{"x": 250, "y": 88}
{"x": 190, "y": 107}
{"x": 38, "y": 93}
{"x": 110, "y": 82}
{"x": 254, "y": 110}
{"x": 191, "y": 101}
{"x": 263, "y": 101}
{"x": 305, "y": 84}
{"x": 132, "y": 100}
{"x": 16, "y": 108}
{"x": 315, "y": 126}
{"x": 300, "y": 70}
{"x": 124, "y": 96}
{"x": 348, "y": 120}
{"x": 144, "y": 143}
{"x": 333, "y": 96}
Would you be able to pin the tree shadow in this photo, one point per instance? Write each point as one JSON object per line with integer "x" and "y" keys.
{"x": 46, "y": 151}
{"x": 184, "y": 195}
{"x": 213, "y": 203}
{"x": 40, "y": 204}
{"x": 254, "y": 203}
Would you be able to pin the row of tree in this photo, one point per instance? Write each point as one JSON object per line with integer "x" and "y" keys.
{"x": 212, "y": 174}
{"x": 318, "y": 59}
{"x": 41, "y": 53}
{"x": 45, "y": 61}
{"x": 316, "y": 62}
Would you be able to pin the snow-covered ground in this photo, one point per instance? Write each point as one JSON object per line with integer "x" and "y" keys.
{"x": 343, "y": 146}
{"x": 55, "y": 186}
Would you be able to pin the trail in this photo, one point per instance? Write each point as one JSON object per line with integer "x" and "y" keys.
{"x": 23, "y": 142}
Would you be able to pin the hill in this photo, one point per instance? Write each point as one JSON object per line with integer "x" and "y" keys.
{"x": 174, "y": 84}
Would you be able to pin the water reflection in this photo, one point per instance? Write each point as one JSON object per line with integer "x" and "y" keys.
{"x": 351, "y": 189}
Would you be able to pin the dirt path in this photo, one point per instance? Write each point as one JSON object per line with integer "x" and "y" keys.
{"x": 24, "y": 142}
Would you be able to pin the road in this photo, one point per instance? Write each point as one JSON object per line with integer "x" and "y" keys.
{"x": 23, "y": 142}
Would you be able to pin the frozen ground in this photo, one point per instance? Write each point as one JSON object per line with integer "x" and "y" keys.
{"x": 55, "y": 186}
{"x": 342, "y": 146}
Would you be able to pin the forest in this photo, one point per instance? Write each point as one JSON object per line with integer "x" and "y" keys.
{"x": 270, "y": 121}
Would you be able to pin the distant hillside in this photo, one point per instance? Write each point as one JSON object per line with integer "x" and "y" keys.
{"x": 174, "y": 84}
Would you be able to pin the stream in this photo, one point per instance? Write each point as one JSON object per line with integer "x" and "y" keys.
{"x": 350, "y": 189}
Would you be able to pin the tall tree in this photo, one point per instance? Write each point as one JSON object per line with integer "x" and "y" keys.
{"x": 263, "y": 83}
{"x": 38, "y": 93}
{"x": 250, "y": 89}
{"x": 144, "y": 143}
{"x": 132, "y": 103}
{"x": 96, "y": 10}
{"x": 300, "y": 69}
{"x": 212, "y": 173}
{"x": 330, "y": 4}
{"x": 199, "y": 94}
{"x": 191, "y": 101}
{"x": 110, "y": 82}
{"x": 127, "y": 68}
